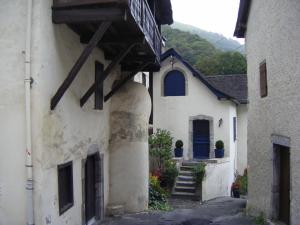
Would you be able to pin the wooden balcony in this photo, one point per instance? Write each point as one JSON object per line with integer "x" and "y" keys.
{"x": 132, "y": 23}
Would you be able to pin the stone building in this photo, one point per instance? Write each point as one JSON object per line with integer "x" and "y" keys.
{"x": 272, "y": 32}
{"x": 199, "y": 110}
{"x": 68, "y": 154}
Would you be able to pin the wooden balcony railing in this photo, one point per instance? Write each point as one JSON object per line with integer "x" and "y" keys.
{"x": 144, "y": 18}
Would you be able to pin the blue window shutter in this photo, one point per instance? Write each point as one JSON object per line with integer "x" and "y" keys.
{"x": 234, "y": 128}
{"x": 174, "y": 84}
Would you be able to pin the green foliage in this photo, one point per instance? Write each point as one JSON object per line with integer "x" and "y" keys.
{"x": 243, "y": 182}
{"x": 203, "y": 55}
{"x": 179, "y": 144}
{"x": 218, "y": 40}
{"x": 261, "y": 219}
{"x": 199, "y": 173}
{"x": 157, "y": 195}
{"x": 160, "y": 146}
{"x": 169, "y": 174}
{"x": 219, "y": 144}
{"x": 223, "y": 63}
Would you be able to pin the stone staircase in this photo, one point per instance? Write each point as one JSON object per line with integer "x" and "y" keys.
{"x": 185, "y": 185}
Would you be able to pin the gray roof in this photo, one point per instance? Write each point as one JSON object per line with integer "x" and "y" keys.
{"x": 234, "y": 85}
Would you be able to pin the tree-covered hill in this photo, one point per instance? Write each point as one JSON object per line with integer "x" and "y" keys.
{"x": 218, "y": 40}
{"x": 204, "y": 56}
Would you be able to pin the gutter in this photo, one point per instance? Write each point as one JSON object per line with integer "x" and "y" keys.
{"x": 28, "y": 133}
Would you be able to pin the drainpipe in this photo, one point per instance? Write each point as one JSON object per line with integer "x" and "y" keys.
{"x": 27, "y": 81}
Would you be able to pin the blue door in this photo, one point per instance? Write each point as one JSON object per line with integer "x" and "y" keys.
{"x": 201, "y": 142}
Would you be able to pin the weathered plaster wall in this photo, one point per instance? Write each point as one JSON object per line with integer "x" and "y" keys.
{"x": 242, "y": 124}
{"x": 129, "y": 156}
{"x": 273, "y": 35}
{"x": 12, "y": 160}
{"x": 59, "y": 136}
{"x": 173, "y": 113}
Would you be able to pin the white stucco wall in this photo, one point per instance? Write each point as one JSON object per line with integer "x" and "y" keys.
{"x": 173, "y": 114}
{"x": 273, "y": 34}
{"x": 59, "y": 136}
{"x": 217, "y": 178}
{"x": 242, "y": 123}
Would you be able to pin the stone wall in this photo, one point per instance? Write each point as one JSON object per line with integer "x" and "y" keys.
{"x": 273, "y": 34}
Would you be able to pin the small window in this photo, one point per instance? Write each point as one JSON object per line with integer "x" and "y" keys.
{"x": 263, "y": 80}
{"x": 65, "y": 187}
{"x": 174, "y": 84}
{"x": 234, "y": 128}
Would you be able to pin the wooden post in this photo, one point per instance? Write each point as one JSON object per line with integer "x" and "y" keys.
{"x": 107, "y": 71}
{"x": 99, "y": 67}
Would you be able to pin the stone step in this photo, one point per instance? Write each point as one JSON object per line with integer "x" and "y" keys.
{"x": 185, "y": 178}
{"x": 183, "y": 194}
{"x": 186, "y": 173}
{"x": 185, "y": 189}
{"x": 190, "y": 163}
{"x": 186, "y": 168}
{"x": 185, "y": 183}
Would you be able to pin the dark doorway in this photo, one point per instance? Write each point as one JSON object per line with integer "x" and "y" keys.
{"x": 281, "y": 184}
{"x": 90, "y": 188}
{"x": 284, "y": 185}
{"x": 201, "y": 139}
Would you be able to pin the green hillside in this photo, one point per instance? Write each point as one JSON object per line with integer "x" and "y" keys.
{"x": 203, "y": 55}
{"x": 218, "y": 40}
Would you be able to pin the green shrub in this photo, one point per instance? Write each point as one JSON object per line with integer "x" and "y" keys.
{"x": 219, "y": 144}
{"x": 179, "y": 144}
{"x": 169, "y": 174}
{"x": 160, "y": 146}
{"x": 199, "y": 173}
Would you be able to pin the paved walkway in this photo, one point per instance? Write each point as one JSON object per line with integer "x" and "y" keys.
{"x": 222, "y": 211}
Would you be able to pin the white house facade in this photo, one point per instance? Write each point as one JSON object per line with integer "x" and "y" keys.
{"x": 272, "y": 33}
{"x": 62, "y": 163}
{"x": 197, "y": 111}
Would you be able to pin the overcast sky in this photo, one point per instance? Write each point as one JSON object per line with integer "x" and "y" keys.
{"x": 218, "y": 16}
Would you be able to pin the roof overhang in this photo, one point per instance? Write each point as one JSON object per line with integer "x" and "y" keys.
{"x": 242, "y": 20}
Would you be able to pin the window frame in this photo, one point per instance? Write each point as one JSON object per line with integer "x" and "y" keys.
{"x": 63, "y": 207}
{"x": 234, "y": 129}
{"x": 168, "y": 73}
{"x": 263, "y": 79}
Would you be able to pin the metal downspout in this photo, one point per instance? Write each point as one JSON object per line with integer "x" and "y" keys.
{"x": 27, "y": 81}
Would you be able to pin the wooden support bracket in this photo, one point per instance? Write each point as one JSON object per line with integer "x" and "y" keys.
{"x": 99, "y": 67}
{"x": 79, "y": 63}
{"x": 106, "y": 73}
{"x": 124, "y": 81}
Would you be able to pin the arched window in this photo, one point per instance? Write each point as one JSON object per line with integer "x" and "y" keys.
{"x": 174, "y": 84}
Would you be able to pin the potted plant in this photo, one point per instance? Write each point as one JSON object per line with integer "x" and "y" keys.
{"x": 178, "y": 150}
{"x": 219, "y": 151}
{"x": 235, "y": 189}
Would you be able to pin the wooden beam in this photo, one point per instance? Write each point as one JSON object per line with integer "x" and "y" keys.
{"x": 72, "y": 3}
{"x": 84, "y": 38}
{"x": 70, "y": 16}
{"x": 124, "y": 81}
{"x": 99, "y": 67}
{"x": 79, "y": 63}
{"x": 107, "y": 71}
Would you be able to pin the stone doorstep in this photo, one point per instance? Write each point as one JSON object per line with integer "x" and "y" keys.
{"x": 115, "y": 210}
{"x": 185, "y": 178}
